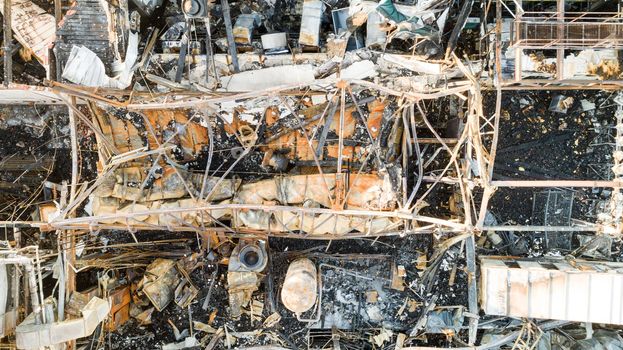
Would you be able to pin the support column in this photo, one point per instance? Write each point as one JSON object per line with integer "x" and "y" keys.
{"x": 518, "y": 50}
{"x": 230, "y": 35}
{"x": 58, "y": 10}
{"x": 560, "y": 53}
{"x": 8, "y": 37}
{"x": 472, "y": 288}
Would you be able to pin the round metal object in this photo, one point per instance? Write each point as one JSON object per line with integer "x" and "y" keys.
{"x": 236, "y": 152}
{"x": 299, "y": 290}
{"x": 251, "y": 257}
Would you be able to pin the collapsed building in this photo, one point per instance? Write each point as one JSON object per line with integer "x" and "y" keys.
{"x": 311, "y": 174}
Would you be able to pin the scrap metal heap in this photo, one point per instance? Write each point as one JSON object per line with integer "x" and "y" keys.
{"x": 311, "y": 174}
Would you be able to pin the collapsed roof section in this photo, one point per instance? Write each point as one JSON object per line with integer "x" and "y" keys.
{"x": 332, "y": 163}
{"x": 364, "y": 119}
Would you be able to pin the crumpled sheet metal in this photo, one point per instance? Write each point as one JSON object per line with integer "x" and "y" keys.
{"x": 365, "y": 191}
{"x": 408, "y": 18}
{"x": 112, "y": 206}
{"x": 83, "y": 67}
{"x": 252, "y": 219}
{"x": 191, "y": 138}
{"x": 244, "y": 27}
{"x": 159, "y": 282}
{"x": 34, "y": 28}
{"x": 314, "y": 224}
{"x": 369, "y": 192}
{"x": 125, "y": 184}
{"x": 165, "y": 281}
{"x": 240, "y": 286}
{"x": 310, "y": 22}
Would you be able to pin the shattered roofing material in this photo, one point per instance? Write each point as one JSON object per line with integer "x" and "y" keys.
{"x": 33, "y": 28}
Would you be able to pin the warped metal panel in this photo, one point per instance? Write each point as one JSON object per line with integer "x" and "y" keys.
{"x": 552, "y": 289}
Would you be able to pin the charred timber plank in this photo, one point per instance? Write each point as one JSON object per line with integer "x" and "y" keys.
{"x": 21, "y": 164}
{"x": 89, "y": 32}
{"x": 458, "y": 28}
{"x": 90, "y": 25}
{"x": 90, "y": 41}
{"x": 84, "y": 13}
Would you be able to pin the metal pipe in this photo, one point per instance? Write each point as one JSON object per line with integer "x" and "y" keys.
{"x": 32, "y": 281}
{"x": 517, "y": 228}
{"x": 556, "y": 183}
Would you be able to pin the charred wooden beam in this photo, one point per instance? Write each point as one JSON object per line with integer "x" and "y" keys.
{"x": 460, "y": 24}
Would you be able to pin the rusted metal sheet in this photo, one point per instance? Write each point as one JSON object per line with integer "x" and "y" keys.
{"x": 166, "y": 280}
{"x": 170, "y": 126}
{"x": 119, "y": 307}
{"x": 375, "y": 117}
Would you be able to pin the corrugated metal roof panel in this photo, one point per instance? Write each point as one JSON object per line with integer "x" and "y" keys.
{"x": 582, "y": 292}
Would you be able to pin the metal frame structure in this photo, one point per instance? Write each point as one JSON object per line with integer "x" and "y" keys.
{"x": 557, "y": 30}
{"x": 470, "y": 141}
{"x": 499, "y": 85}
{"x": 471, "y": 156}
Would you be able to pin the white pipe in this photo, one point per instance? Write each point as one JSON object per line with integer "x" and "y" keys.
{"x": 32, "y": 280}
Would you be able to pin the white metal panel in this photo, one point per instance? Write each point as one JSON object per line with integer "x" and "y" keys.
{"x": 23, "y": 94}
{"x": 578, "y": 301}
{"x": 518, "y": 293}
{"x": 582, "y": 292}
{"x": 600, "y": 297}
{"x": 497, "y": 297}
{"x": 558, "y": 296}
{"x": 616, "y": 303}
{"x": 540, "y": 289}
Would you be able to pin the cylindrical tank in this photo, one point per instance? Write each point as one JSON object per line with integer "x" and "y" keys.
{"x": 274, "y": 41}
{"x": 299, "y": 290}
